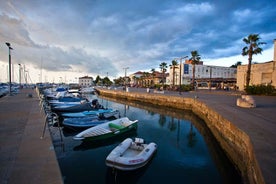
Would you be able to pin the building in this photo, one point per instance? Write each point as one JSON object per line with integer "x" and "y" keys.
{"x": 261, "y": 73}
{"x": 134, "y": 78}
{"x": 147, "y": 79}
{"x": 86, "y": 81}
{"x": 204, "y": 74}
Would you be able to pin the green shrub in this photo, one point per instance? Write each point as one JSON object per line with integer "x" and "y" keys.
{"x": 260, "y": 90}
{"x": 186, "y": 87}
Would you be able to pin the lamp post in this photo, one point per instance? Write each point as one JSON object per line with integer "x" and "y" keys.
{"x": 210, "y": 78}
{"x": 19, "y": 75}
{"x": 125, "y": 76}
{"x": 180, "y": 73}
{"x": 10, "y": 48}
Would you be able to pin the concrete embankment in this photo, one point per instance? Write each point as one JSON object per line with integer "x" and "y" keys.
{"x": 235, "y": 142}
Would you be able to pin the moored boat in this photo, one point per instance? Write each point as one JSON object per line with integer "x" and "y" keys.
{"x": 102, "y": 113}
{"x": 84, "y": 122}
{"x": 131, "y": 155}
{"x": 90, "y": 90}
{"x": 107, "y": 130}
{"x": 88, "y": 106}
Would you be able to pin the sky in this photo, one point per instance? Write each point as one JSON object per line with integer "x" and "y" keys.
{"x": 61, "y": 40}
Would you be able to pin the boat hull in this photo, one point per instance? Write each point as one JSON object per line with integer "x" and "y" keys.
{"x": 106, "y": 131}
{"x": 106, "y": 113}
{"x": 83, "y": 123}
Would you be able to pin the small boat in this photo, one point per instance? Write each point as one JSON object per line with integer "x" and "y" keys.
{"x": 131, "y": 155}
{"x": 102, "y": 113}
{"x": 87, "y": 90}
{"x": 66, "y": 102}
{"x": 84, "y": 122}
{"x": 107, "y": 130}
{"x": 88, "y": 106}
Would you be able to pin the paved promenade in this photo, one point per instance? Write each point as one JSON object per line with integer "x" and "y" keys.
{"x": 25, "y": 158}
{"x": 259, "y": 123}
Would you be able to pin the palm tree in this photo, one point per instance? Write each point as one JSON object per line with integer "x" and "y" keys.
{"x": 163, "y": 66}
{"x": 252, "y": 48}
{"x": 195, "y": 60}
{"x": 135, "y": 80}
{"x": 173, "y": 65}
{"x": 238, "y": 63}
{"x": 145, "y": 77}
{"x": 153, "y": 75}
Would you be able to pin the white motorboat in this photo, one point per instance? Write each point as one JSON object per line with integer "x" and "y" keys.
{"x": 131, "y": 155}
{"x": 107, "y": 130}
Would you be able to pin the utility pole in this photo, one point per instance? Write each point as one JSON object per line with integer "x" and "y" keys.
{"x": 125, "y": 77}
{"x": 19, "y": 75}
{"x": 10, "y": 48}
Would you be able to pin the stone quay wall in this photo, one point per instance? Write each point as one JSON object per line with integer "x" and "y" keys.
{"x": 233, "y": 141}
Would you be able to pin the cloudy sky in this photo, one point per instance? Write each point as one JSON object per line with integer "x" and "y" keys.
{"x": 67, "y": 38}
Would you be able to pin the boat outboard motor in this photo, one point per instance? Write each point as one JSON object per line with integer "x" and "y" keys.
{"x": 96, "y": 105}
{"x": 95, "y": 102}
{"x": 139, "y": 141}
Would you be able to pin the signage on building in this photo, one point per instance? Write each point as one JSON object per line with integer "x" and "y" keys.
{"x": 186, "y": 68}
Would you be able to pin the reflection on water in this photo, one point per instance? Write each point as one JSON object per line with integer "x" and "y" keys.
{"x": 186, "y": 153}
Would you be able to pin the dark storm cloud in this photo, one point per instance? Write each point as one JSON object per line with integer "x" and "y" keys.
{"x": 105, "y": 36}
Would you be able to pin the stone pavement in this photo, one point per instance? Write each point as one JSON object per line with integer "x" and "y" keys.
{"x": 258, "y": 123}
{"x": 25, "y": 158}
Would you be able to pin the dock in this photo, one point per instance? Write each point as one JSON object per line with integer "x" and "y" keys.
{"x": 26, "y": 158}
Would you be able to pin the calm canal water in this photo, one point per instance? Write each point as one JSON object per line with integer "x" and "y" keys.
{"x": 186, "y": 153}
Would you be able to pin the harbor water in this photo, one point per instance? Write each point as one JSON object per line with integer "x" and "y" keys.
{"x": 186, "y": 153}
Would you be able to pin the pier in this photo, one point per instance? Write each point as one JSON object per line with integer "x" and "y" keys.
{"x": 25, "y": 156}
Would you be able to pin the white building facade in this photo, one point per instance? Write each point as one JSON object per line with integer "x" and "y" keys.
{"x": 203, "y": 74}
{"x": 86, "y": 81}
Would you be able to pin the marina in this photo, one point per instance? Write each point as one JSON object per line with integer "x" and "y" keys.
{"x": 183, "y": 151}
{"x": 17, "y": 154}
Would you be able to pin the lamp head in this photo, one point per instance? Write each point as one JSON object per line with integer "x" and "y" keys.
{"x": 9, "y": 45}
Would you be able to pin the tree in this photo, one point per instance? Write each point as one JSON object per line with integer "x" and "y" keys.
{"x": 153, "y": 75}
{"x": 253, "y": 43}
{"x": 163, "y": 67}
{"x": 145, "y": 78}
{"x": 135, "y": 80}
{"x": 238, "y": 63}
{"x": 173, "y": 65}
{"x": 119, "y": 81}
{"x": 106, "y": 81}
{"x": 195, "y": 60}
{"x": 97, "y": 80}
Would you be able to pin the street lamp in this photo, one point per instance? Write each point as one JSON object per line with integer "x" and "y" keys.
{"x": 180, "y": 73}
{"x": 10, "y": 48}
{"x": 125, "y": 75}
{"x": 210, "y": 78}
